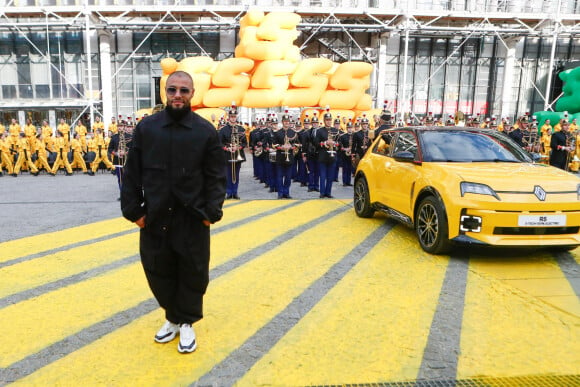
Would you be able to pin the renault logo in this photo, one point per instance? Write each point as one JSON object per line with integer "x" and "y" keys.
{"x": 540, "y": 193}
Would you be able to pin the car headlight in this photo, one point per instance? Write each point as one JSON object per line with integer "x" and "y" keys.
{"x": 476, "y": 188}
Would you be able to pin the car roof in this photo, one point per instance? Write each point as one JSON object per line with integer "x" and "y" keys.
{"x": 440, "y": 129}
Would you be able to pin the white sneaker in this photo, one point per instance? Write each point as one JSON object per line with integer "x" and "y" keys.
{"x": 187, "y": 342}
{"x": 167, "y": 332}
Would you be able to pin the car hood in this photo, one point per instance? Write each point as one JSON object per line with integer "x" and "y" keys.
{"x": 514, "y": 176}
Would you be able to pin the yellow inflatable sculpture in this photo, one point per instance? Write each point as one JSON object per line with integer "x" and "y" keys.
{"x": 267, "y": 71}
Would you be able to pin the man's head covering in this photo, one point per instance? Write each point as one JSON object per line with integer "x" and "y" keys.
{"x": 286, "y": 116}
{"x": 327, "y": 114}
{"x": 233, "y": 109}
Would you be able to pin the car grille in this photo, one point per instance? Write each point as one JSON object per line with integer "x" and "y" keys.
{"x": 535, "y": 230}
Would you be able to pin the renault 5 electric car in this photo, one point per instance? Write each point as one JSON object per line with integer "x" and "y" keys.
{"x": 456, "y": 185}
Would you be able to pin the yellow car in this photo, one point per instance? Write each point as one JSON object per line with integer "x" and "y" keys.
{"x": 469, "y": 186}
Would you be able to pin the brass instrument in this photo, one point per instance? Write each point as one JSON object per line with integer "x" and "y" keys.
{"x": 330, "y": 143}
{"x": 122, "y": 147}
{"x": 258, "y": 149}
{"x": 234, "y": 151}
{"x": 365, "y": 144}
{"x": 571, "y": 147}
{"x": 348, "y": 152}
{"x": 287, "y": 145}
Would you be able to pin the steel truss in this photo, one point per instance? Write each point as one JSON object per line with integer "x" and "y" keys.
{"x": 317, "y": 22}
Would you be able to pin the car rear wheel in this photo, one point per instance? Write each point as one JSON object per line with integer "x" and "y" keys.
{"x": 431, "y": 226}
{"x": 362, "y": 205}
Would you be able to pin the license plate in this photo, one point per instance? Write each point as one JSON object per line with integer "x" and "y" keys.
{"x": 541, "y": 220}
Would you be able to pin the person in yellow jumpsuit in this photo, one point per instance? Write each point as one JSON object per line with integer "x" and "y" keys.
{"x": 64, "y": 128}
{"x": 25, "y": 156}
{"x": 61, "y": 156}
{"x": 6, "y": 155}
{"x": 29, "y": 129}
{"x": 98, "y": 124}
{"x": 45, "y": 129}
{"x": 2, "y": 128}
{"x": 82, "y": 131}
{"x": 14, "y": 128}
{"x": 101, "y": 152}
{"x": 41, "y": 155}
{"x": 547, "y": 127}
{"x": 113, "y": 126}
{"x": 573, "y": 126}
{"x": 78, "y": 161}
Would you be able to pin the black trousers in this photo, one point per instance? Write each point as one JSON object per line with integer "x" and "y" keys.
{"x": 175, "y": 256}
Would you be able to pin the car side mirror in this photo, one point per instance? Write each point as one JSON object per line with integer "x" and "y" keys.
{"x": 404, "y": 156}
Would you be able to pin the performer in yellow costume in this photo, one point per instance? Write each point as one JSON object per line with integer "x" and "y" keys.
{"x": 6, "y": 155}
{"x": 113, "y": 127}
{"x": 98, "y": 124}
{"x": 64, "y": 128}
{"x": 41, "y": 154}
{"x": 61, "y": 155}
{"x": 82, "y": 132}
{"x": 573, "y": 126}
{"x": 78, "y": 161}
{"x": 24, "y": 156}
{"x": 14, "y": 128}
{"x": 547, "y": 127}
{"x": 45, "y": 129}
{"x": 29, "y": 129}
{"x": 101, "y": 152}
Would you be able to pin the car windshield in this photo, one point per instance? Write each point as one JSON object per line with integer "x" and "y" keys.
{"x": 465, "y": 146}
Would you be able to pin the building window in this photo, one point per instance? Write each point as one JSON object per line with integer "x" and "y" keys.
{"x": 8, "y": 91}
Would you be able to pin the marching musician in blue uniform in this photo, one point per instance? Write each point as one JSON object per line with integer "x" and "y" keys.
{"x": 256, "y": 148}
{"x": 385, "y": 122}
{"x": 304, "y": 140}
{"x": 311, "y": 127}
{"x": 361, "y": 141}
{"x": 271, "y": 165}
{"x": 326, "y": 141}
{"x": 285, "y": 141}
{"x": 233, "y": 139}
{"x": 346, "y": 141}
{"x": 561, "y": 147}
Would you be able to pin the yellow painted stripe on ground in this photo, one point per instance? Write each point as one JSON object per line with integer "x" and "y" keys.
{"x": 30, "y": 274}
{"x": 229, "y": 244}
{"x": 576, "y": 255}
{"x": 246, "y": 209}
{"x": 236, "y": 306}
{"x": 39, "y": 322}
{"x": 31, "y": 245}
{"x": 507, "y": 331}
{"x": 371, "y": 328}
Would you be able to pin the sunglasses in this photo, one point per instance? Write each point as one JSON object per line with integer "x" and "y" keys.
{"x": 173, "y": 90}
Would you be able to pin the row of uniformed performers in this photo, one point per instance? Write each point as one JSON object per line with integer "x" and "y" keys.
{"x": 308, "y": 152}
{"x": 313, "y": 152}
{"x": 36, "y": 149}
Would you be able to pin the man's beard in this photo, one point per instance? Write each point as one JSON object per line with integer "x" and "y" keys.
{"x": 178, "y": 113}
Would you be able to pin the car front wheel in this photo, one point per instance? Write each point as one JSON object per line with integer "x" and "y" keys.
{"x": 362, "y": 205}
{"x": 431, "y": 226}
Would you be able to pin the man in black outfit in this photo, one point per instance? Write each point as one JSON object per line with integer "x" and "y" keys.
{"x": 173, "y": 189}
{"x": 560, "y": 147}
